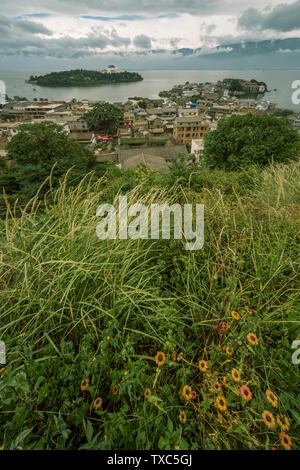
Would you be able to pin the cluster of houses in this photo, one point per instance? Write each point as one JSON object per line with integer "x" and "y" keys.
{"x": 225, "y": 88}
{"x": 151, "y": 132}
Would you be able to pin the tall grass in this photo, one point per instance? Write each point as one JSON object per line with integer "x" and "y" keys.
{"x": 57, "y": 277}
{"x": 59, "y": 282}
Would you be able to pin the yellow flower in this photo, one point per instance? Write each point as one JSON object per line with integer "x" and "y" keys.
{"x": 221, "y": 403}
{"x": 285, "y": 441}
{"x": 283, "y": 423}
{"x": 268, "y": 419}
{"x": 253, "y": 339}
{"x": 160, "y": 358}
{"x": 147, "y": 393}
{"x": 272, "y": 398}
{"x": 236, "y": 375}
{"x": 228, "y": 351}
{"x": 182, "y": 416}
{"x": 115, "y": 390}
{"x": 187, "y": 392}
{"x": 235, "y": 315}
{"x": 226, "y": 382}
{"x": 97, "y": 403}
{"x": 2, "y": 370}
{"x": 202, "y": 365}
{"x": 180, "y": 356}
{"x": 84, "y": 384}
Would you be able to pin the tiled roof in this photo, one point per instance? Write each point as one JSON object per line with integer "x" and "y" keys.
{"x": 168, "y": 152}
{"x": 150, "y": 161}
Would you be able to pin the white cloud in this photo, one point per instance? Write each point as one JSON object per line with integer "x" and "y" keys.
{"x": 83, "y": 28}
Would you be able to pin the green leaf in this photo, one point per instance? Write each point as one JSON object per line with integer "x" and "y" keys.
{"x": 89, "y": 431}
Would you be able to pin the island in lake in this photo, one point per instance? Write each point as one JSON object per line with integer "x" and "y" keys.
{"x": 82, "y": 77}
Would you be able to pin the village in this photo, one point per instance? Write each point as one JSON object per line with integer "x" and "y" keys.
{"x": 152, "y": 132}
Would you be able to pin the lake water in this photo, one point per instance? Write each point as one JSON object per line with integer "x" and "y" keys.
{"x": 154, "y": 82}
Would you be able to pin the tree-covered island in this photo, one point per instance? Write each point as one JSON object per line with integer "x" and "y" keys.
{"x": 82, "y": 77}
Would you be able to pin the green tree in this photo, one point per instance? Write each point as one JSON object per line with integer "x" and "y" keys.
{"x": 4, "y": 117}
{"x": 34, "y": 150}
{"x": 143, "y": 104}
{"x": 235, "y": 85}
{"x": 284, "y": 112}
{"x": 241, "y": 141}
{"x": 104, "y": 117}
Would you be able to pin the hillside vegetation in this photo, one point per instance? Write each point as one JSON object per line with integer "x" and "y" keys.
{"x": 124, "y": 344}
{"x": 82, "y": 77}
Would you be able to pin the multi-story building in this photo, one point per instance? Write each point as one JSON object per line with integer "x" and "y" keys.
{"x": 189, "y": 128}
{"x": 39, "y": 110}
{"x": 79, "y": 131}
{"x": 183, "y": 112}
{"x": 164, "y": 112}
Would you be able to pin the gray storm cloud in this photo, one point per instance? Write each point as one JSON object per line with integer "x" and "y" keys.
{"x": 260, "y": 31}
{"x": 283, "y": 18}
{"x": 142, "y": 41}
{"x": 197, "y": 7}
{"x": 21, "y": 37}
{"x": 18, "y": 26}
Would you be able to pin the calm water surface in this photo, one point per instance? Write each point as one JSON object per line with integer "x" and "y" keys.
{"x": 154, "y": 82}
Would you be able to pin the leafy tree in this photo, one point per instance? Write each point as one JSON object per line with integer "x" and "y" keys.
{"x": 20, "y": 98}
{"x": 235, "y": 85}
{"x": 241, "y": 141}
{"x": 284, "y": 112}
{"x": 5, "y": 117}
{"x": 34, "y": 150}
{"x": 104, "y": 117}
{"x": 143, "y": 104}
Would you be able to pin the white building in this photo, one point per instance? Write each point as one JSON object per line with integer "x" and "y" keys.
{"x": 112, "y": 69}
{"x": 197, "y": 147}
{"x": 189, "y": 93}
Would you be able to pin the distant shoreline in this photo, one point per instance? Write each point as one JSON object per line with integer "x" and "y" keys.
{"x": 28, "y": 82}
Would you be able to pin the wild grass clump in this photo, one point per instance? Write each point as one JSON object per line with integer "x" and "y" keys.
{"x": 140, "y": 344}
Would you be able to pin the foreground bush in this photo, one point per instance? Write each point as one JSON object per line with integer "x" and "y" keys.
{"x": 242, "y": 141}
{"x": 143, "y": 345}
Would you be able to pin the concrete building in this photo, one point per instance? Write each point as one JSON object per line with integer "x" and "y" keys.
{"x": 188, "y": 128}
{"x": 183, "y": 112}
{"x": 197, "y": 146}
{"x": 79, "y": 131}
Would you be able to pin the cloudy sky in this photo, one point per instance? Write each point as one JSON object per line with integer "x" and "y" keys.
{"x": 139, "y": 34}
